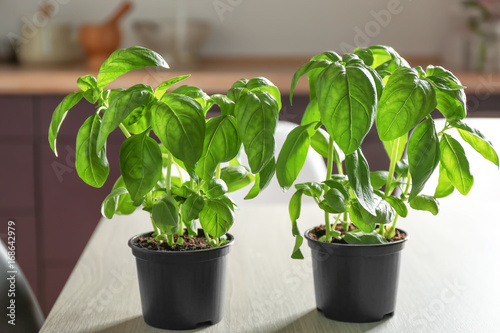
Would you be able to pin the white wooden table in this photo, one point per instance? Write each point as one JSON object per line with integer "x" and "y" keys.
{"x": 449, "y": 281}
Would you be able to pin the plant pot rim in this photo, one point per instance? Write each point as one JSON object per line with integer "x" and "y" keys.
{"x": 396, "y": 243}
{"x": 138, "y": 249}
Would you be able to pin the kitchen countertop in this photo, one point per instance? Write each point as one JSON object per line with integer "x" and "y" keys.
{"x": 213, "y": 76}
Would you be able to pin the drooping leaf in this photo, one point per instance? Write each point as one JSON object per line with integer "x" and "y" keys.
{"x": 125, "y": 204}
{"x": 294, "y": 208}
{"x": 456, "y": 164}
{"x": 398, "y": 205}
{"x": 450, "y": 95}
{"x": 92, "y": 166}
{"x": 423, "y": 155}
{"x": 222, "y": 143}
{"x": 179, "y": 123}
{"x": 140, "y": 165}
{"x": 425, "y": 202}
{"x": 59, "y": 114}
{"x": 110, "y": 203}
{"x": 347, "y": 100}
{"x": 405, "y": 101}
{"x": 359, "y": 178}
{"x": 256, "y": 114}
{"x": 164, "y": 86}
{"x": 262, "y": 179}
{"x": 216, "y": 217}
{"x": 120, "y": 107}
{"x": 477, "y": 141}
{"x": 124, "y": 60}
{"x": 444, "y": 187}
{"x": 307, "y": 67}
{"x": 292, "y": 156}
{"x": 311, "y": 189}
{"x": 165, "y": 215}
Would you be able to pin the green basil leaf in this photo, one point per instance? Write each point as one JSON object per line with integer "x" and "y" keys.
{"x": 450, "y": 95}
{"x": 140, "y": 165}
{"x": 215, "y": 188}
{"x": 444, "y": 187}
{"x": 225, "y": 104}
{"x": 164, "y": 86}
{"x": 124, "y": 60}
{"x": 179, "y": 123}
{"x": 125, "y": 204}
{"x": 91, "y": 165}
{"x": 443, "y": 78}
{"x": 378, "y": 178}
{"x": 87, "y": 82}
{"x": 311, "y": 114}
{"x": 360, "y": 217}
{"x": 262, "y": 179}
{"x": 294, "y": 210}
{"x": 425, "y": 202}
{"x": 192, "y": 207}
{"x": 139, "y": 120}
{"x": 120, "y": 107}
{"x": 292, "y": 156}
{"x": 195, "y": 93}
{"x": 110, "y": 203}
{"x": 402, "y": 169}
{"x": 236, "y": 177}
{"x": 222, "y": 143}
{"x": 398, "y": 205}
{"x": 456, "y": 164}
{"x": 216, "y": 218}
{"x": 347, "y": 100}
{"x": 366, "y": 238}
{"x": 328, "y": 55}
{"x": 165, "y": 215}
{"x": 59, "y": 114}
{"x": 311, "y": 65}
{"x": 382, "y": 58}
{"x": 336, "y": 184}
{"x": 477, "y": 141}
{"x": 336, "y": 200}
{"x": 423, "y": 155}
{"x": 359, "y": 178}
{"x": 405, "y": 101}
{"x": 257, "y": 117}
{"x": 388, "y": 145}
{"x": 311, "y": 189}
{"x": 263, "y": 84}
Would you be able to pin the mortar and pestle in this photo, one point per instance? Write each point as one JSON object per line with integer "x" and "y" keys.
{"x": 100, "y": 40}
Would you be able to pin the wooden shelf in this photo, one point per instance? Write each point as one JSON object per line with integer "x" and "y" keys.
{"x": 213, "y": 76}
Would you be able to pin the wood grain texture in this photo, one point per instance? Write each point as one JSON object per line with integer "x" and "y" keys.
{"x": 448, "y": 281}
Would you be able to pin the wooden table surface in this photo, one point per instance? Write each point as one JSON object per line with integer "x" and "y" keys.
{"x": 449, "y": 279}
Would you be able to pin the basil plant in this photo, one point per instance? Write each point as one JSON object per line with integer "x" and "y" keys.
{"x": 168, "y": 130}
{"x": 348, "y": 95}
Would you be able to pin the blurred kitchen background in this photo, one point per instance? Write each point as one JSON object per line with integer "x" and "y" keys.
{"x": 218, "y": 42}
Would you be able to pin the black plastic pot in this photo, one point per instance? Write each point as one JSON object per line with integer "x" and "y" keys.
{"x": 182, "y": 290}
{"x": 355, "y": 283}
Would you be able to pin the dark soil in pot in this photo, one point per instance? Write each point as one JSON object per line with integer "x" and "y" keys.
{"x": 355, "y": 283}
{"x": 181, "y": 288}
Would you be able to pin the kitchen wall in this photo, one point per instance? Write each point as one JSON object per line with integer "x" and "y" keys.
{"x": 274, "y": 27}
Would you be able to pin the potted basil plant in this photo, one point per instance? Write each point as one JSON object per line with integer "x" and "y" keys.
{"x": 181, "y": 263}
{"x": 356, "y": 255}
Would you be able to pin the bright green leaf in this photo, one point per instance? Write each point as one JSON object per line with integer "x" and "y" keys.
{"x": 444, "y": 187}
{"x": 164, "y": 86}
{"x": 425, "y": 202}
{"x": 456, "y": 164}
{"x": 359, "y": 178}
{"x": 165, "y": 215}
